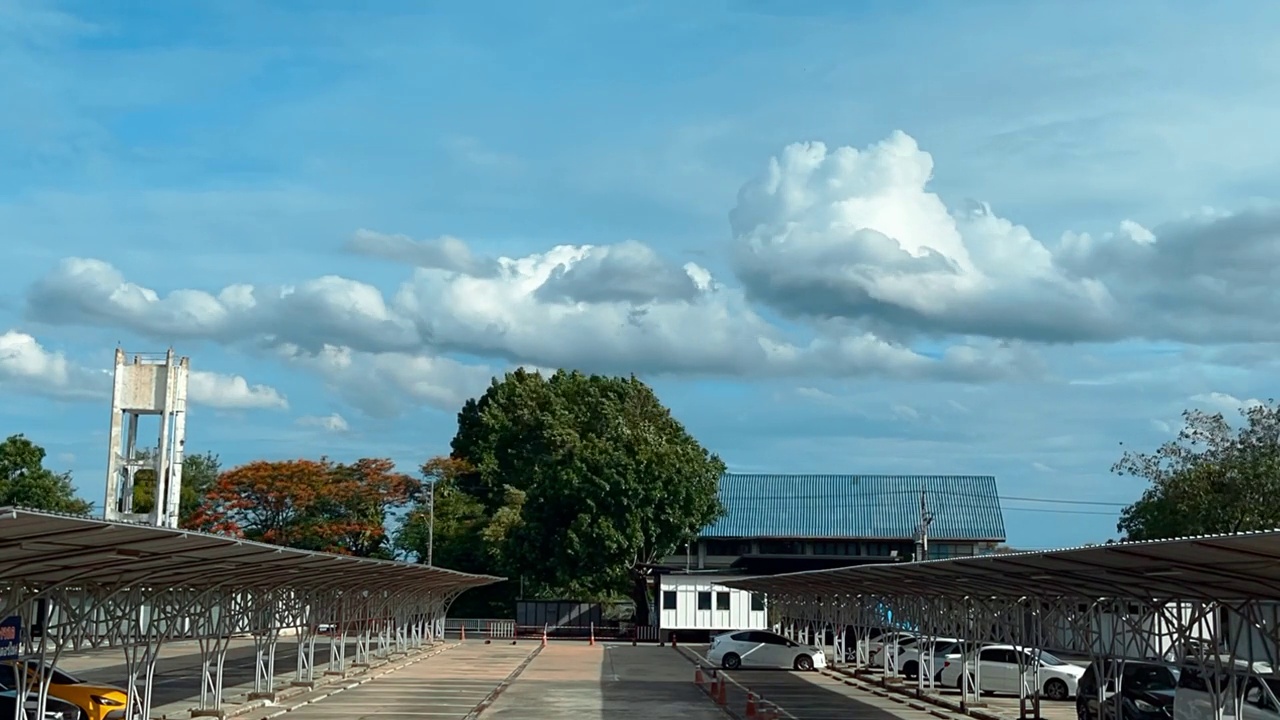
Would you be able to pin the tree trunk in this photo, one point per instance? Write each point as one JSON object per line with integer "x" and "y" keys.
{"x": 640, "y": 595}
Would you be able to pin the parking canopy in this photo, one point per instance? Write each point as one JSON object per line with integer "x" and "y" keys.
{"x": 1237, "y": 567}
{"x": 49, "y": 549}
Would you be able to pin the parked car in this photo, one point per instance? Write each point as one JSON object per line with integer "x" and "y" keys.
{"x": 877, "y": 642}
{"x": 1146, "y": 691}
{"x": 909, "y": 659}
{"x": 891, "y": 651}
{"x": 763, "y": 649}
{"x": 1000, "y": 671}
{"x": 97, "y": 700}
{"x": 1256, "y": 688}
{"x": 54, "y": 709}
{"x": 863, "y": 643}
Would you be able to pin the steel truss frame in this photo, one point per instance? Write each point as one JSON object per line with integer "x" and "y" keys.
{"x": 77, "y": 583}
{"x": 1208, "y": 604}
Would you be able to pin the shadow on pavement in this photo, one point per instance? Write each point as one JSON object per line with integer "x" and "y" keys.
{"x": 177, "y": 678}
{"x": 651, "y": 682}
{"x": 810, "y": 695}
{"x": 1002, "y": 704}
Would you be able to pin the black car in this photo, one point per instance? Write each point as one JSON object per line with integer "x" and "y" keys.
{"x": 54, "y": 709}
{"x": 1145, "y": 691}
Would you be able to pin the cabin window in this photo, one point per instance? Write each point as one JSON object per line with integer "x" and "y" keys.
{"x": 668, "y": 599}
{"x": 722, "y": 601}
{"x": 704, "y": 599}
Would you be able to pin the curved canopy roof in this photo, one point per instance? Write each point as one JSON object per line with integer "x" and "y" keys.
{"x": 1238, "y": 567}
{"x": 43, "y": 548}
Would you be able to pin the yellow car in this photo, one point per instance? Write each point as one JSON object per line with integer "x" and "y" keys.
{"x": 98, "y": 702}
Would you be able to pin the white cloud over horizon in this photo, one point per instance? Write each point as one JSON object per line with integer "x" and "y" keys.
{"x": 877, "y": 277}
{"x": 28, "y": 367}
{"x": 332, "y": 422}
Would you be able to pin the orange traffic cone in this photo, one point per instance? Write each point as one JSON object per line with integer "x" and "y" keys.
{"x": 544, "y": 637}
{"x": 698, "y": 677}
{"x": 751, "y": 706}
{"x": 463, "y": 631}
{"x": 593, "y": 634}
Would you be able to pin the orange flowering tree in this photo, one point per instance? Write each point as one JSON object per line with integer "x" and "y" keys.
{"x": 308, "y": 504}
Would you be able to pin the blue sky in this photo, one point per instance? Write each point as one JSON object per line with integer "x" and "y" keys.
{"x": 1031, "y": 231}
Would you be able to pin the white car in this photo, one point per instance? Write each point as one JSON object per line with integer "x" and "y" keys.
{"x": 891, "y": 651}
{"x": 876, "y": 644}
{"x": 762, "y": 649}
{"x": 909, "y": 658}
{"x": 998, "y": 672}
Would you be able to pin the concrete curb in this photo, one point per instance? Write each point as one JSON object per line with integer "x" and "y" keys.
{"x": 494, "y": 694}
{"x": 367, "y": 674}
{"x": 908, "y": 697}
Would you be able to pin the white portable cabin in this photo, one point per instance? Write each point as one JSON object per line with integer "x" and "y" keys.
{"x": 697, "y": 602}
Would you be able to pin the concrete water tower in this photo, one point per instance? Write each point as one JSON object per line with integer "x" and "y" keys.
{"x": 147, "y": 385}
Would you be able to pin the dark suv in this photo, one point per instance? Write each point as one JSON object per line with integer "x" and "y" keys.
{"x": 1146, "y": 691}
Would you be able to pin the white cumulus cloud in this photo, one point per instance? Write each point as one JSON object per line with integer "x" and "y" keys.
{"x": 27, "y": 366}
{"x": 856, "y": 235}
{"x": 621, "y": 308}
{"x": 1219, "y": 402}
{"x": 385, "y": 384}
{"x": 333, "y": 423}
{"x": 844, "y": 264}
{"x": 232, "y": 392}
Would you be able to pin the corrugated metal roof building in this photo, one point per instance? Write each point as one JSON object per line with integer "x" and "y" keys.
{"x": 865, "y": 507}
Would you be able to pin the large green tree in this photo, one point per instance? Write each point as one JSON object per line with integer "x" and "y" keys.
{"x": 25, "y": 481}
{"x": 1212, "y": 478}
{"x": 585, "y": 481}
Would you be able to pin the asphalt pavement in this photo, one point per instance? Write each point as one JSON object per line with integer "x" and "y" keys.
{"x": 450, "y": 686}
{"x": 608, "y": 681}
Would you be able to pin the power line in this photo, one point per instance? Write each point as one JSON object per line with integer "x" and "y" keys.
{"x": 1064, "y": 502}
{"x": 1060, "y": 512}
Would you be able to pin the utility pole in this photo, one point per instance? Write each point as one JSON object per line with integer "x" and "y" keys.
{"x": 431, "y": 525}
{"x": 926, "y": 519}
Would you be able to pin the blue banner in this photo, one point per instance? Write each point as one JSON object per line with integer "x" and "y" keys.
{"x": 10, "y": 637}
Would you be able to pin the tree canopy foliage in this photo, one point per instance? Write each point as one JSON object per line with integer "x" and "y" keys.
{"x": 309, "y": 504}
{"x": 459, "y": 520}
{"x": 25, "y": 481}
{"x": 1212, "y": 478}
{"x": 199, "y": 474}
{"x": 571, "y": 484}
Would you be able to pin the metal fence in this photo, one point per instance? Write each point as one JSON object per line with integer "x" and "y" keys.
{"x": 503, "y": 629}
